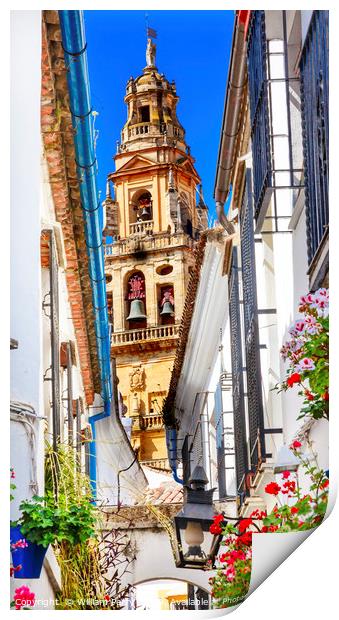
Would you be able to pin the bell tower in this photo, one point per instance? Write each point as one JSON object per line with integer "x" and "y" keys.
{"x": 153, "y": 219}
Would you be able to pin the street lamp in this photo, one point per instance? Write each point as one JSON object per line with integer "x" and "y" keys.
{"x": 196, "y": 545}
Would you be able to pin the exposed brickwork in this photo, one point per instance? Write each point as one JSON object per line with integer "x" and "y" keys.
{"x": 44, "y": 249}
{"x": 57, "y": 132}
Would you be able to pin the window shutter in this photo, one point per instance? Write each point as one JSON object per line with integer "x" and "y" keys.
{"x": 251, "y": 330}
{"x": 220, "y": 444}
{"x": 237, "y": 373}
{"x": 258, "y": 95}
{"x": 315, "y": 125}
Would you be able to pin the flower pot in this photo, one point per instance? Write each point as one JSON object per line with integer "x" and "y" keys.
{"x": 31, "y": 558}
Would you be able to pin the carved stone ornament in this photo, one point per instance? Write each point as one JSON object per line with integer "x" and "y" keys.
{"x": 137, "y": 378}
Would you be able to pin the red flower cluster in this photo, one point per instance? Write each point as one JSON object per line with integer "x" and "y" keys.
{"x": 245, "y": 539}
{"x": 23, "y": 597}
{"x": 258, "y": 514}
{"x": 215, "y": 528}
{"x": 289, "y": 487}
{"x": 14, "y": 569}
{"x": 269, "y": 528}
{"x": 293, "y": 378}
{"x": 295, "y": 445}
{"x": 286, "y": 474}
{"x": 272, "y": 488}
{"x": 244, "y": 525}
{"x": 20, "y": 544}
{"x": 231, "y": 556}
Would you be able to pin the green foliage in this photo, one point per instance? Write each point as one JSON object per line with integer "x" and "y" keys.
{"x": 44, "y": 521}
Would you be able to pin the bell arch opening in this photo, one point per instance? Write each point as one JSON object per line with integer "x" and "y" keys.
{"x": 135, "y": 301}
{"x": 141, "y": 207}
{"x": 185, "y": 214}
{"x": 166, "y": 304}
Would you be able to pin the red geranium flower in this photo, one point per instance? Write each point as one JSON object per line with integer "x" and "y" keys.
{"x": 245, "y": 539}
{"x": 218, "y": 518}
{"x": 23, "y": 597}
{"x": 215, "y": 528}
{"x": 272, "y": 488}
{"x": 289, "y": 485}
{"x": 244, "y": 524}
{"x": 294, "y": 510}
{"x": 293, "y": 378}
{"x": 295, "y": 445}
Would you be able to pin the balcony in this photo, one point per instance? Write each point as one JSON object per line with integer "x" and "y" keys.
{"x": 163, "y": 336}
{"x": 157, "y": 241}
{"x": 139, "y": 130}
{"x": 141, "y": 228}
{"x": 152, "y": 421}
{"x": 161, "y": 464}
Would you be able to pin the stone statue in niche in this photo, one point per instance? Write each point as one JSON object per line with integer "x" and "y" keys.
{"x": 137, "y": 378}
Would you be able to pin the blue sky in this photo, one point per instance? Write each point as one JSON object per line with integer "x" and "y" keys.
{"x": 193, "y": 48}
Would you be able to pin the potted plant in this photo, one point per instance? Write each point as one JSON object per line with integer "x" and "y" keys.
{"x": 44, "y": 521}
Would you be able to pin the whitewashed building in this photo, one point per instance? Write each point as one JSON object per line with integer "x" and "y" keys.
{"x": 271, "y": 193}
{"x": 56, "y": 384}
{"x": 273, "y": 173}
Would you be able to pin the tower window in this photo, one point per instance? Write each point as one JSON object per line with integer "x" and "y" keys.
{"x": 136, "y": 298}
{"x": 144, "y": 114}
{"x": 167, "y": 312}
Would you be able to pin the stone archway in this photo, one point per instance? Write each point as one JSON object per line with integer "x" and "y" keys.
{"x": 154, "y": 560}
{"x": 170, "y": 594}
{"x": 151, "y": 550}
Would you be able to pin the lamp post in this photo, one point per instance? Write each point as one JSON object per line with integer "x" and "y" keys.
{"x": 196, "y": 546}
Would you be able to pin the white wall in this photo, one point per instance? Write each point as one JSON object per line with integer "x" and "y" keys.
{"x": 159, "y": 564}
{"x": 25, "y": 206}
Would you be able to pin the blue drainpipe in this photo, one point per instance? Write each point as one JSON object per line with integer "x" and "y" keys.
{"x": 74, "y": 45}
{"x": 171, "y": 441}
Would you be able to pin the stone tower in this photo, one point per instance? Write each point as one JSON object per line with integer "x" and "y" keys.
{"x": 154, "y": 220}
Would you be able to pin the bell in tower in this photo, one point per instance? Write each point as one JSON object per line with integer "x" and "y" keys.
{"x": 137, "y": 311}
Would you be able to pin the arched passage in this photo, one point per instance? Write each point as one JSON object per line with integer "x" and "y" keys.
{"x": 154, "y": 560}
{"x": 170, "y": 595}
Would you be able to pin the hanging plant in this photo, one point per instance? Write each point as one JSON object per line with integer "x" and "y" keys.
{"x": 307, "y": 352}
{"x": 45, "y": 520}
